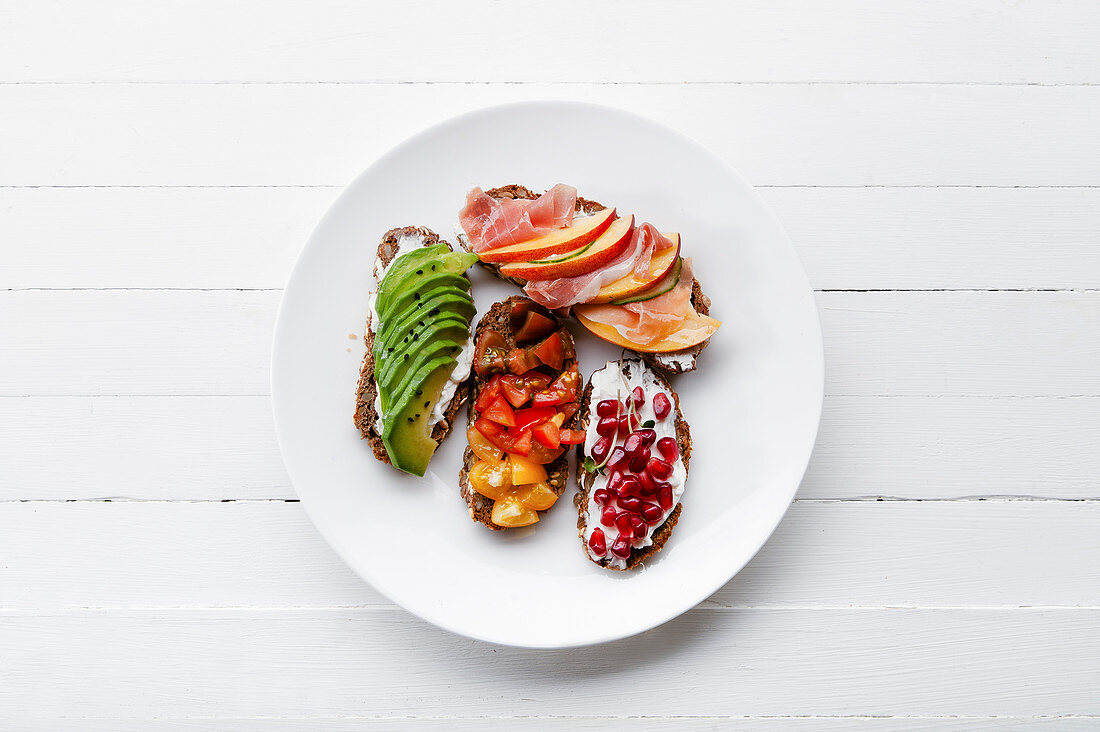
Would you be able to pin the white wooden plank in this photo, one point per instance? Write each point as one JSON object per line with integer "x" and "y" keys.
{"x": 922, "y": 343}
{"x": 635, "y": 724}
{"x": 312, "y": 134}
{"x": 708, "y": 662}
{"x": 824, "y": 555}
{"x": 961, "y": 238}
{"x": 951, "y": 447}
{"x": 224, "y": 447}
{"x": 969, "y": 238}
{"x": 958, "y": 343}
{"x": 975, "y": 40}
{"x": 194, "y": 448}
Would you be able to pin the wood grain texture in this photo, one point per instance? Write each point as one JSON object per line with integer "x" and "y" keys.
{"x": 211, "y": 448}
{"x": 848, "y": 238}
{"x": 325, "y": 134}
{"x": 853, "y": 40}
{"x": 745, "y": 662}
{"x": 824, "y": 555}
{"x": 876, "y": 343}
{"x": 553, "y": 724}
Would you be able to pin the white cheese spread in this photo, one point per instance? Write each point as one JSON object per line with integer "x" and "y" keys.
{"x": 611, "y": 382}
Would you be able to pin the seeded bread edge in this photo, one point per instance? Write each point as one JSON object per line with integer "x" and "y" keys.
{"x": 481, "y": 507}
{"x": 367, "y": 391}
{"x": 585, "y": 481}
{"x": 669, "y": 363}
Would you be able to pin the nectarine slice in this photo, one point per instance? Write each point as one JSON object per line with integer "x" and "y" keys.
{"x": 609, "y": 245}
{"x": 660, "y": 266}
{"x": 693, "y": 330}
{"x": 581, "y": 232}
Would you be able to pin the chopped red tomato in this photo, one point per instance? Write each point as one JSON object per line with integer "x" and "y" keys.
{"x": 550, "y": 351}
{"x": 521, "y": 445}
{"x": 490, "y": 353}
{"x": 500, "y": 411}
{"x": 535, "y": 325}
{"x": 520, "y": 361}
{"x": 572, "y": 437}
{"x": 494, "y": 433}
{"x": 515, "y": 389}
{"x": 547, "y": 433}
{"x": 488, "y": 394}
{"x": 526, "y": 418}
{"x": 542, "y": 454}
{"x": 568, "y": 410}
{"x": 549, "y": 398}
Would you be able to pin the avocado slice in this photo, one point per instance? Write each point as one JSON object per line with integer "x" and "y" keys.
{"x": 434, "y": 304}
{"x": 406, "y": 432}
{"x": 400, "y": 379}
{"x": 412, "y": 293}
{"x": 402, "y": 364}
{"x": 417, "y": 269}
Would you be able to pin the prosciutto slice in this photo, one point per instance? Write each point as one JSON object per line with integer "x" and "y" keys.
{"x": 490, "y": 223}
{"x": 635, "y": 258}
{"x": 668, "y": 317}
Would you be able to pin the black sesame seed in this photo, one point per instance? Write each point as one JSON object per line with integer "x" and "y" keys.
{"x": 420, "y": 392}
{"x": 406, "y": 357}
{"x": 416, "y": 296}
{"x": 420, "y": 271}
{"x": 427, "y": 403}
{"x": 433, "y": 268}
{"x": 418, "y": 415}
{"x": 411, "y": 419}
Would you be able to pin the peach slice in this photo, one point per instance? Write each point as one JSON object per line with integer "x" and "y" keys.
{"x": 609, "y": 245}
{"x": 694, "y": 330}
{"x": 659, "y": 267}
{"x": 583, "y": 231}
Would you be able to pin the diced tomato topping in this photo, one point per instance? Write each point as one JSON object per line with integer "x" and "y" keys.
{"x": 488, "y": 394}
{"x": 494, "y": 433}
{"x": 526, "y": 418}
{"x": 500, "y": 411}
{"x": 550, "y": 398}
{"x": 521, "y": 445}
{"x": 490, "y": 353}
{"x": 520, "y": 361}
{"x": 535, "y": 326}
{"x": 550, "y": 351}
{"x": 572, "y": 437}
{"x": 515, "y": 390}
{"x": 568, "y": 410}
{"x": 548, "y": 433}
{"x": 544, "y": 455}
{"x": 536, "y": 381}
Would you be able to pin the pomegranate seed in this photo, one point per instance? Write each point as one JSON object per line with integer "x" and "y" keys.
{"x": 658, "y": 468}
{"x": 607, "y": 408}
{"x": 659, "y": 484}
{"x": 667, "y": 446}
{"x": 614, "y": 483}
{"x": 632, "y": 444}
{"x": 606, "y": 427}
{"x": 621, "y": 548}
{"x": 601, "y": 448}
{"x": 631, "y": 503}
{"x": 597, "y": 543}
{"x": 608, "y": 517}
{"x": 602, "y": 497}
{"x": 629, "y": 486}
{"x": 618, "y": 459}
{"x": 661, "y": 405}
{"x": 647, "y": 486}
{"x": 647, "y": 436}
{"x": 640, "y": 459}
{"x": 638, "y": 525}
{"x": 652, "y": 512}
{"x": 638, "y": 395}
{"x": 624, "y": 525}
{"x": 664, "y": 497}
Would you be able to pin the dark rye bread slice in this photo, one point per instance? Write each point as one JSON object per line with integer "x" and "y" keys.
{"x": 673, "y": 363}
{"x": 587, "y": 480}
{"x": 557, "y": 472}
{"x": 365, "y": 415}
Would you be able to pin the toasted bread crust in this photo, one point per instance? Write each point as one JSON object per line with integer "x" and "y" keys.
{"x": 677, "y": 362}
{"x": 365, "y": 414}
{"x": 481, "y": 508}
{"x": 585, "y": 481}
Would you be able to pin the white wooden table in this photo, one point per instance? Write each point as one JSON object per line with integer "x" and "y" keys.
{"x": 937, "y": 166}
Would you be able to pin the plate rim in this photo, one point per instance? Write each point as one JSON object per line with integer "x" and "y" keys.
{"x": 337, "y": 544}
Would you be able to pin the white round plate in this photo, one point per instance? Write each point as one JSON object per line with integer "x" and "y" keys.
{"x": 753, "y": 404}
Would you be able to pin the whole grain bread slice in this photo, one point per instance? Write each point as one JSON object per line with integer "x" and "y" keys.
{"x": 677, "y": 362}
{"x": 481, "y": 507}
{"x": 365, "y": 413}
{"x": 586, "y": 480}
